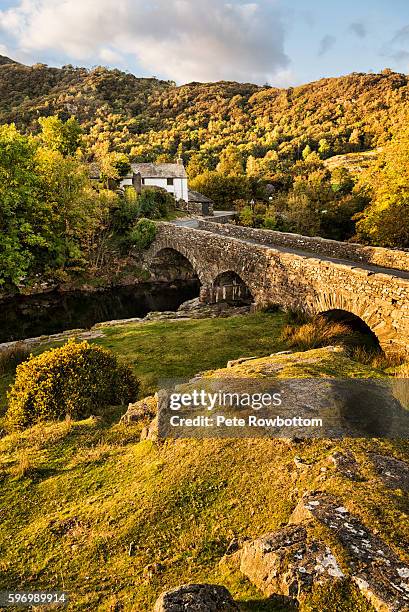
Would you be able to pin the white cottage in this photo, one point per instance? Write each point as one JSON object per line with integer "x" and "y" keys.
{"x": 171, "y": 177}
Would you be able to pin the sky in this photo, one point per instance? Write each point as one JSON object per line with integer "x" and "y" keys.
{"x": 280, "y": 42}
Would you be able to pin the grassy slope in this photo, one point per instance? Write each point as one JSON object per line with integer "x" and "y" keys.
{"x": 169, "y": 349}
{"x": 75, "y": 495}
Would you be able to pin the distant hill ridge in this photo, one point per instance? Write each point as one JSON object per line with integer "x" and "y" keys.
{"x": 148, "y": 117}
{"x": 6, "y": 60}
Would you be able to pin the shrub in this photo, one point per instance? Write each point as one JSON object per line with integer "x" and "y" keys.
{"x": 377, "y": 358}
{"x": 155, "y": 203}
{"x": 74, "y": 380}
{"x": 143, "y": 234}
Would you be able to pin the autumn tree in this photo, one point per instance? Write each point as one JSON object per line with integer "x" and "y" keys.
{"x": 231, "y": 161}
{"x": 385, "y": 222}
{"x": 57, "y": 135}
{"x": 113, "y": 165}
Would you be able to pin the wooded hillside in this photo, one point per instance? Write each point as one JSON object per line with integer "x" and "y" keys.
{"x": 147, "y": 117}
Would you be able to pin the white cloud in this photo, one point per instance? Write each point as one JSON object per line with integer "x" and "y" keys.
{"x": 180, "y": 39}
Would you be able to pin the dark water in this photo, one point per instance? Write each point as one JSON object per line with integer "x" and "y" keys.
{"x": 51, "y": 313}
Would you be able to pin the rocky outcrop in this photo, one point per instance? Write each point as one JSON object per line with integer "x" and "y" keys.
{"x": 195, "y": 309}
{"x": 150, "y": 432}
{"x": 286, "y": 563}
{"x": 346, "y": 465}
{"x": 144, "y": 410}
{"x": 196, "y": 598}
{"x": 393, "y": 472}
{"x": 293, "y": 560}
{"x": 381, "y": 576}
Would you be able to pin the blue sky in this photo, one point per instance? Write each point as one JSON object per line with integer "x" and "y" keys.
{"x": 283, "y": 42}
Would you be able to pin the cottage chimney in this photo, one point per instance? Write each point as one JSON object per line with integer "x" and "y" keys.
{"x": 137, "y": 182}
{"x": 179, "y": 161}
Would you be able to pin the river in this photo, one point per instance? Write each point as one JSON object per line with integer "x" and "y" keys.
{"x": 50, "y": 313}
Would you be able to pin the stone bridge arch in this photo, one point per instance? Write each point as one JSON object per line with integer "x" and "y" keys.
{"x": 335, "y": 304}
{"x": 229, "y": 286}
{"x": 169, "y": 261}
{"x": 294, "y": 280}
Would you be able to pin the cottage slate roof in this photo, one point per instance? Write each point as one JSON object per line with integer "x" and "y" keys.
{"x": 149, "y": 170}
{"x": 195, "y": 196}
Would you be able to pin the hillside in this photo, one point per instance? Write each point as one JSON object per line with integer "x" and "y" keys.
{"x": 28, "y": 92}
{"x": 147, "y": 117}
{"x": 355, "y": 163}
{"x": 6, "y": 60}
{"x": 115, "y": 521}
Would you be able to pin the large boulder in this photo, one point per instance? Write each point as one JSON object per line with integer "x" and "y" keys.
{"x": 286, "y": 563}
{"x": 381, "y": 576}
{"x": 196, "y": 598}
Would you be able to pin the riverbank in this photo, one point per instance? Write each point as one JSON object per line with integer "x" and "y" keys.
{"x": 191, "y": 309}
{"x": 53, "y": 313}
{"x": 172, "y": 346}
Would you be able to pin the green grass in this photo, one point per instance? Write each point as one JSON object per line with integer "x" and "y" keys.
{"x": 88, "y": 490}
{"x": 178, "y": 349}
{"x": 75, "y": 495}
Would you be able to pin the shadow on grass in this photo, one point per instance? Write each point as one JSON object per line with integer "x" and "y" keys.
{"x": 270, "y": 604}
{"x": 37, "y": 474}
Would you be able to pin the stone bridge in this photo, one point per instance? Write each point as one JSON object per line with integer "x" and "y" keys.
{"x": 239, "y": 263}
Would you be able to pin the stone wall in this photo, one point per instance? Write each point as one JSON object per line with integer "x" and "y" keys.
{"x": 228, "y": 218}
{"x": 387, "y": 258}
{"x": 294, "y": 281}
{"x": 196, "y": 208}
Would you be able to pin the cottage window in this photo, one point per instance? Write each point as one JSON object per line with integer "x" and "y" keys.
{"x": 169, "y": 181}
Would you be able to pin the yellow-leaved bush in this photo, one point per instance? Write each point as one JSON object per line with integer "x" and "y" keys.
{"x": 73, "y": 380}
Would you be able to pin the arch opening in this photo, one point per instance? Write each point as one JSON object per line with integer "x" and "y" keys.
{"x": 361, "y": 333}
{"x": 229, "y": 287}
{"x": 171, "y": 267}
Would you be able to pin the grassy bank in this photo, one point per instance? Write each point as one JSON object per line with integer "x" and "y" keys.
{"x": 88, "y": 508}
{"x": 169, "y": 349}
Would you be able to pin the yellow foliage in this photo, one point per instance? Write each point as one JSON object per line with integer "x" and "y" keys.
{"x": 72, "y": 380}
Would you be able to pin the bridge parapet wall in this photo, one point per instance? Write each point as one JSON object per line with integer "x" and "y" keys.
{"x": 377, "y": 256}
{"x": 294, "y": 281}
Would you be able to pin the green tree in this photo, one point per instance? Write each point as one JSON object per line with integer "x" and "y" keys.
{"x": 224, "y": 190}
{"x": 25, "y": 227}
{"x": 246, "y": 216}
{"x": 142, "y": 234}
{"x": 154, "y": 203}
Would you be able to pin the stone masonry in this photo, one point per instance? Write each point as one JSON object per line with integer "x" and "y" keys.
{"x": 304, "y": 282}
